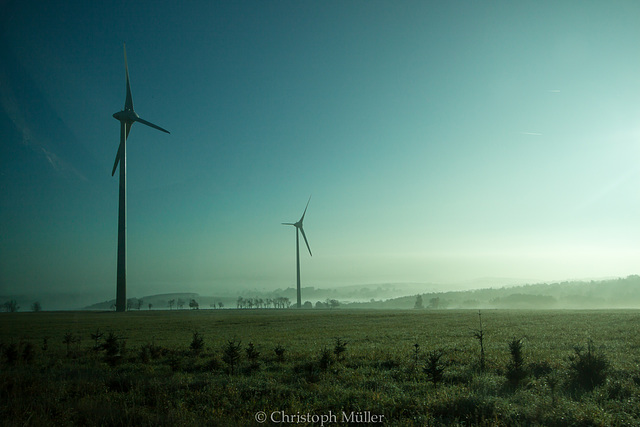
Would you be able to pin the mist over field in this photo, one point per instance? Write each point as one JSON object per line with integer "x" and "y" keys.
{"x": 593, "y": 294}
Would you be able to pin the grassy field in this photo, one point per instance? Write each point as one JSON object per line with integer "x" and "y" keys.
{"x": 153, "y": 372}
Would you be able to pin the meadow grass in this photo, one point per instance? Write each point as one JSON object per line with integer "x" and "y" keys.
{"x": 156, "y": 378}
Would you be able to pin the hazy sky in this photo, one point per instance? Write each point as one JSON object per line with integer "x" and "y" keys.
{"x": 441, "y": 141}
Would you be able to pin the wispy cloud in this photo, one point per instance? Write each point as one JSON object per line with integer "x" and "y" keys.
{"x": 554, "y": 90}
{"x": 531, "y": 133}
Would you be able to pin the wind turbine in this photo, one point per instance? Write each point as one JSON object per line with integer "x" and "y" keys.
{"x": 298, "y": 226}
{"x": 127, "y": 118}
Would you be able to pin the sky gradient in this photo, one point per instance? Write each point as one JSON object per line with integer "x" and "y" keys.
{"x": 440, "y": 141}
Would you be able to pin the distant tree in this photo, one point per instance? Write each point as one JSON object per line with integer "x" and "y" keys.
{"x": 150, "y": 305}
{"x": 171, "y": 303}
{"x": 180, "y": 303}
{"x": 240, "y": 302}
{"x": 36, "y": 307}
{"x": 194, "y": 304}
{"x": 307, "y": 304}
{"x": 418, "y": 305}
{"x": 320, "y": 304}
{"x": 286, "y": 302}
{"x": 333, "y": 303}
{"x": 131, "y": 302}
{"x": 434, "y": 303}
{"x": 10, "y": 306}
{"x": 220, "y": 304}
{"x": 139, "y": 304}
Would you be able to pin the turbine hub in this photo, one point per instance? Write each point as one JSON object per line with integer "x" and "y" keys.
{"x": 129, "y": 116}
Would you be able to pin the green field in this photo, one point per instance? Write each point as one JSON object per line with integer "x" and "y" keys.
{"x": 153, "y": 377}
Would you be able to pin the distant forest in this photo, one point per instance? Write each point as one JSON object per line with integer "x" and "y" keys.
{"x": 616, "y": 293}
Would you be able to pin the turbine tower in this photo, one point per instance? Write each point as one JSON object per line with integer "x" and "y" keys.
{"x": 298, "y": 226}
{"x": 127, "y": 118}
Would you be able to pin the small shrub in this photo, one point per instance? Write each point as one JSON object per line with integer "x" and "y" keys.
{"x": 416, "y": 354}
{"x": 479, "y": 335}
{"x": 96, "y": 337}
{"x": 515, "y": 371}
{"x": 197, "y": 343}
{"x": 339, "y": 348}
{"x": 325, "y": 359}
{"x": 28, "y": 353}
{"x": 144, "y": 354}
{"x": 68, "y": 339}
{"x": 11, "y": 353}
{"x": 279, "y": 350}
{"x": 588, "y": 369}
{"x": 252, "y": 353}
{"x": 113, "y": 348}
{"x": 433, "y": 368}
{"x": 231, "y": 355}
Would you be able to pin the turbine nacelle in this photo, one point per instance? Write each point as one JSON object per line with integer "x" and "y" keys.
{"x": 127, "y": 116}
{"x": 298, "y": 225}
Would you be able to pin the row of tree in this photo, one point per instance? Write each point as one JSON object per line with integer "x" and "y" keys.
{"x": 279, "y": 302}
{"x": 12, "y": 306}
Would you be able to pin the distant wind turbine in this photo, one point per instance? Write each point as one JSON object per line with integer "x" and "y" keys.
{"x": 298, "y": 226}
{"x": 127, "y": 118}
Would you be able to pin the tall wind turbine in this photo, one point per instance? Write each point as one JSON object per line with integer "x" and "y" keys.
{"x": 298, "y": 226}
{"x": 127, "y": 118}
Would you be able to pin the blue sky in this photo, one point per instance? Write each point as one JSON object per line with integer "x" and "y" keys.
{"x": 440, "y": 141}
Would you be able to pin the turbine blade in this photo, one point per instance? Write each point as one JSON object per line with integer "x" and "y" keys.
{"x": 128, "y": 103}
{"x": 305, "y": 210}
{"x": 123, "y": 137}
{"x": 305, "y": 240}
{"x": 288, "y": 223}
{"x": 144, "y": 122}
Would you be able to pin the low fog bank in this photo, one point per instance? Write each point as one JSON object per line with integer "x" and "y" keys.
{"x": 603, "y": 294}
{"x": 593, "y": 294}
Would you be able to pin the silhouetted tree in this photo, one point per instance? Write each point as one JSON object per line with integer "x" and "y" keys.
{"x": 150, "y": 305}
{"x": 307, "y": 304}
{"x": 171, "y": 302}
{"x": 418, "y": 304}
{"x": 434, "y": 303}
{"x": 194, "y": 304}
{"x": 220, "y": 304}
{"x": 333, "y": 303}
{"x": 180, "y": 303}
{"x": 10, "y": 306}
{"x": 36, "y": 307}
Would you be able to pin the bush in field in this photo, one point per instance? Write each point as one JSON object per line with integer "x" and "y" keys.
{"x": 339, "y": 348}
{"x": 516, "y": 371}
{"x": 588, "y": 369}
{"x": 433, "y": 367}
{"x": 252, "y": 353}
{"x": 96, "y": 337}
{"x": 197, "y": 343}
{"x": 231, "y": 355}
{"x": 325, "y": 359}
{"x": 479, "y": 335}
{"x": 28, "y": 353}
{"x": 11, "y": 353}
{"x": 279, "y": 351}
{"x": 113, "y": 347}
